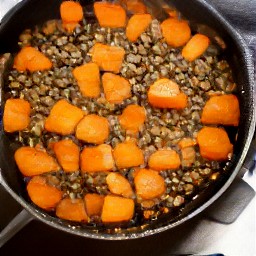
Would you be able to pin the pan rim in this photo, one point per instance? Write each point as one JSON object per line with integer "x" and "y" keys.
{"x": 125, "y": 236}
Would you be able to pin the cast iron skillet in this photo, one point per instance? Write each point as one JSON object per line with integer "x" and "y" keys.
{"x": 32, "y": 12}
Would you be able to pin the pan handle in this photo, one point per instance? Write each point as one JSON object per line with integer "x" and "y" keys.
{"x": 232, "y": 203}
{"x": 14, "y": 226}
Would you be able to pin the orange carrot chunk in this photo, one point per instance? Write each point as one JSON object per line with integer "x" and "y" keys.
{"x": 195, "y": 47}
{"x": 31, "y": 59}
{"x": 222, "y": 109}
{"x": 71, "y": 11}
{"x": 16, "y": 115}
{"x": 128, "y": 154}
{"x": 135, "y": 6}
{"x": 132, "y": 118}
{"x": 149, "y": 184}
{"x": 165, "y": 93}
{"x": 63, "y": 118}
{"x": 93, "y": 129}
{"x": 116, "y": 88}
{"x": 21, "y": 59}
{"x": 117, "y": 209}
{"x": 163, "y": 160}
{"x": 176, "y": 32}
{"x": 137, "y": 24}
{"x": 67, "y": 153}
{"x": 119, "y": 185}
{"x": 186, "y": 142}
{"x": 93, "y": 204}
{"x": 110, "y": 15}
{"x": 109, "y": 58}
{"x": 214, "y": 143}
{"x": 33, "y": 162}
{"x": 42, "y": 194}
{"x": 72, "y": 209}
{"x": 88, "y": 79}
{"x": 96, "y": 159}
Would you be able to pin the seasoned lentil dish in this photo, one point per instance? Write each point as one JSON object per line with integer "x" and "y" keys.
{"x": 120, "y": 118}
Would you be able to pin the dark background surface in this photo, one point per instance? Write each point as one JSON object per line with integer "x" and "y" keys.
{"x": 241, "y": 13}
{"x": 38, "y": 239}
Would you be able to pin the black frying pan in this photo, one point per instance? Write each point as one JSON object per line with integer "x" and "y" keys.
{"x": 202, "y": 17}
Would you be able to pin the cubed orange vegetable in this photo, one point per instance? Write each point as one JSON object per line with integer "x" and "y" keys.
{"x": 195, "y": 47}
{"x": 33, "y": 162}
{"x": 63, "y": 118}
{"x": 137, "y": 24}
{"x": 67, "y": 153}
{"x": 96, "y": 159}
{"x": 223, "y": 109}
{"x": 117, "y": 209}
{"x": 128, "y": 154}
{"x": 214, "y": 143}
{"x": 149, "y": 184}
{"x": 16, "y": 115}
{"x": 110, "y": 15}
{"x": 93, "y": 204}
{"x": 93, "y": 129}
{"x": 132, "y": 118}
{"x": 165, "y": 93}
{"x": 109, "y": 58}
{"x": 119, "y": 185}
{"x": 116, "y": 88}
{"x": 88, "y": 79}
{"x": 71, "y": 11}
{"x": 135, "y": 6}
{"x": 42, "y": 194}
{"x": 162, "y": 160}
{"x": 176, "y": 32}
{"x": 72, "y": 209}
{"x": 31, "y": 59}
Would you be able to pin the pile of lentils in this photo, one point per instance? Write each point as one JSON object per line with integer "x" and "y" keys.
{"x": 147, "y": 60}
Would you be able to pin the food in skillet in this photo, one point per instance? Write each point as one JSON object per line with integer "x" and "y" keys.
{"x": 122, "y": 119}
